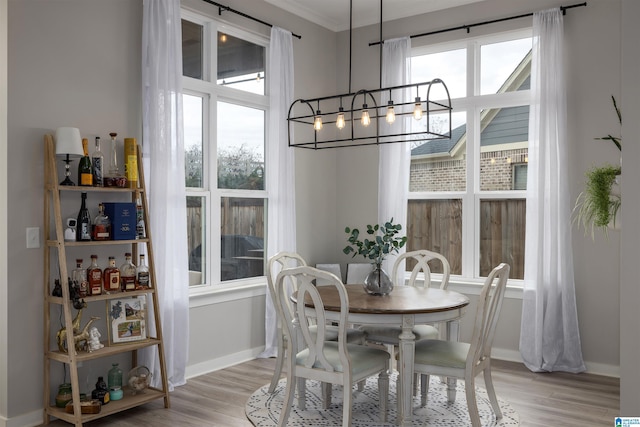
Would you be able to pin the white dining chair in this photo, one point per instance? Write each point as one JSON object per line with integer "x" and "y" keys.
{"x": 331, "y": 268}
{"x": 357, "y": 272}
{"x": 467, "y": 360}
{"x": 276, "y": 264}
{"x": 316, "y": 358}
{"x": 390, "y": 335}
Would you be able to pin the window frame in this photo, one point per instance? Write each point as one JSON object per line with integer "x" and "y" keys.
{"x": 212, "y": 93}
{"x": 472, "y": 105}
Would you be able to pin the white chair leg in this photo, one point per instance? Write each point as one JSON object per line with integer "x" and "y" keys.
{"x": 302, "y": 393}
{"x": 424, "y": 389}
{"x": 470, "y": 390}
{"x": 383, "y": 392}
{"x": 346, "y": 405}
{"x": 491, "y": 392}
{"x": 279, "y": 363}
{"x": 288, "y": 401}
{"x": 326, "y": 395}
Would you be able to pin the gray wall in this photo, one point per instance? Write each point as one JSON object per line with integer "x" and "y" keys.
{"x": 76, "y": 62}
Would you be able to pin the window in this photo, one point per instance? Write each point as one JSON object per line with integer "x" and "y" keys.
{"x": 225, "y": 109}
{"x": 467, "y": 193}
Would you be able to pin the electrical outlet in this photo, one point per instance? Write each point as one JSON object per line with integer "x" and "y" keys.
{"x": 33, "y": 237}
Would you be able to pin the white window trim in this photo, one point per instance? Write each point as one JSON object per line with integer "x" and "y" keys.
{"x": 472, "y": 104}
{"x": 215, "y": 291}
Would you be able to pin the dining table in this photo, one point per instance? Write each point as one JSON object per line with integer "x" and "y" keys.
{"x": 405, "y": 307}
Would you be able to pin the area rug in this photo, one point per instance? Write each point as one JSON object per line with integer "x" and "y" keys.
{"x": 263, "y": 409}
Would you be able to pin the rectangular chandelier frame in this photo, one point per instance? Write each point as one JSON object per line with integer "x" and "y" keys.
{"x": 336, "y": 121}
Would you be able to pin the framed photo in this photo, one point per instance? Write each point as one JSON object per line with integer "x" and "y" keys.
{"x": 127, "y": 317}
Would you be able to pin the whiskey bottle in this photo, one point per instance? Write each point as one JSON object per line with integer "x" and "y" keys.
{"x": 142, "y": 274}
{"x": 101, "y": 225}
{"x": 83, "y": 225}
{"x": 141, "y": 232}
{"x": 94, "y": 276}
{"x": 85, "y": 174}
{"x": 111, "y": 277}
{"x": 98, "y": 165}
{"x": 127, "y": 274}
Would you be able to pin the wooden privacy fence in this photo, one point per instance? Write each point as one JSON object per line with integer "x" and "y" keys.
{"x": 436, "y": 225}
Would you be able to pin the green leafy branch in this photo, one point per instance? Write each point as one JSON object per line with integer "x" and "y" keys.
{"x": 383, "y": 241}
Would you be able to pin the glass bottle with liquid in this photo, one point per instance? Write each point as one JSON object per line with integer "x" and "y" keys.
{"x": 127, "y": 274}
{"x": 101, "y": 225}
{"x": 114, "y": 170}
{"x": 94, "y": 276}
{"x": 141, "y": 232}
{"x": 85, "y": 173}
{"x": 114, "y": 381}
{"x": 83, "y": 225}
{"x": 79, "y": 277}
{"x": 111, "y": 277}
{"x": 142, "y": 274}
{"x": 98, "y": 165}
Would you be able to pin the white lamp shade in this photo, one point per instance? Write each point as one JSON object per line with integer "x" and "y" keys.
{"x": 68, "y": 142}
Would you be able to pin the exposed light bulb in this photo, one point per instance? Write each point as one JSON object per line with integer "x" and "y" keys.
{"x": 493, "y": 160}
{"x": 391, "y": 114}
{"x": 365, "y": 119}
{"x": 317, "y": 121}
{"x": 508, "y": 159}
{"x": 340, "y": 120}
{"x": 223, "y": 38}
{"x": 417, "y": 110}
{"x": 526, "y": 159}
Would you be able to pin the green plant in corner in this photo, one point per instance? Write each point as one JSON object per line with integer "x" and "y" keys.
{"x": 597, "y": 206}
{"x": 383, "y": 241}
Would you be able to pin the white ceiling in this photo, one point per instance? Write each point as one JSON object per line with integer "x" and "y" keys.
{"x": 334, "y": 14}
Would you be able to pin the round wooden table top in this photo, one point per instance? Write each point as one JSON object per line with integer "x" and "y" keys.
{"x": 401, "y": 300}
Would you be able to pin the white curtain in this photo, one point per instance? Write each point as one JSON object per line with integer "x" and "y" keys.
{"x": 281, "y": 223}
{"x": 549, "y": 337}
{"x": 394, "y": 159}
{"x": 163, "y": 150}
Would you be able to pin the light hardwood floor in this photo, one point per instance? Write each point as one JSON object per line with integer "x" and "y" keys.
{"x": 218, "y": 398}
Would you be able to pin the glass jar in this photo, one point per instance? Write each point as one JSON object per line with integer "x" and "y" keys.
{"x": 64, "y": 395}
{"x": 114, "y": 377}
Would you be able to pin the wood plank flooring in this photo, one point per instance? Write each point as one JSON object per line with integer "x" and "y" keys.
{"x": 218, "y": 398}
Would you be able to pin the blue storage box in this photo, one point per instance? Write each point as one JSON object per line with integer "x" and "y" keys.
{"x": 123, "y": 220}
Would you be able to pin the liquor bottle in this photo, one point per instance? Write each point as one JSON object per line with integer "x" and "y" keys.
{"x": 79, "y": 277}
{"x": 114, "y": 171}
{"x": 94, "y": 275}
{"x": 85, "y": 174}
{"x": 142, "y": 274}
{"x": 111, "y": 277}
{"x": 140, "y": 226}
{"x": 83, "y": 225}
{"x": 127, "y": 274}
{"x": 98, "y": 165}
{"x": 131, "y": 162}
{"x": 101, "y": 392}
{"x": 101, "y": 225}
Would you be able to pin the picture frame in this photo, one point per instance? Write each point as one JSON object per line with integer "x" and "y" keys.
{"x": 127, "y": 319}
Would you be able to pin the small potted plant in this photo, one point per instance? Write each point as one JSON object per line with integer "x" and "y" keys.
{"x": 382, "y": 241}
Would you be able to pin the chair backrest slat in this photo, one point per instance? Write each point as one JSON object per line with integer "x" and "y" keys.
{"x": 422, "y": 258}
{"x": 487, "y": 314}
{"x": 312, "y": 326}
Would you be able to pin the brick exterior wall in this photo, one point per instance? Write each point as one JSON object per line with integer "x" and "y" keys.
{"x": 496, "y": 172}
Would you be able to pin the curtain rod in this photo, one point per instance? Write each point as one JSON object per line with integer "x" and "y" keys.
{"x": 223, "y": 8}
{"x": 469, "y": 26}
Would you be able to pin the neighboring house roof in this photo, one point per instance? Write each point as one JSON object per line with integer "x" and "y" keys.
{"x": 499, "y": 126}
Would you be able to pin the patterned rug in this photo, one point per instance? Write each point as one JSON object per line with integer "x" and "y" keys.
{"x": 263, "y": 409}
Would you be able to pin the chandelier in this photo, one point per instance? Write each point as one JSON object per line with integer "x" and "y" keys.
{"x": 372, "y": 116}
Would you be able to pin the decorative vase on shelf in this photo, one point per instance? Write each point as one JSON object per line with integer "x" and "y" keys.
{"x": 378, "y": 282}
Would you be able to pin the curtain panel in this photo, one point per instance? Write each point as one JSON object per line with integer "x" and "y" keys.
{"x": 281, "y": 223}
{"x": 394, "y": 159}
{"x": 163, "y": 150}
{"x": 549, "y": 337}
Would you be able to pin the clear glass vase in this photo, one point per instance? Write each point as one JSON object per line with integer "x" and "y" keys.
{"x": 378, "y": 282}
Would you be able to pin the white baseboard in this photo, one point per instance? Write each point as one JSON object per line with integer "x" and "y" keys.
{"x": 31, "y": 419}
{"x": 592, "y": 368}
{"x": 222, "y": 362}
